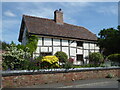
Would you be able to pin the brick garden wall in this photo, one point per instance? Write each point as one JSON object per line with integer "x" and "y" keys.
{"x": 37, "y": 79}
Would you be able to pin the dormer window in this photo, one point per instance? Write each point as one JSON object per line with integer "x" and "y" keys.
{"x": 79, "y": 43}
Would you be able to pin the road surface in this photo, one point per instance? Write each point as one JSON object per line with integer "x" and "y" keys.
{"x": 92, "y": 83}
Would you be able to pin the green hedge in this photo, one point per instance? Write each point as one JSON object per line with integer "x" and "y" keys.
{"x": 114, "y": 57}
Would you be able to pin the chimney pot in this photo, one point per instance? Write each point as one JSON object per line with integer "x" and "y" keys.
{"x": 60, "y": 9}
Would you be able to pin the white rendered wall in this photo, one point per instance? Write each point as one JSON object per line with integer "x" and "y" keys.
{"x": 86, "y": 53}
{"x": 73, "y": 43}
{"x": 50, "y": 49}
{"x": 72, "y": 46}
{"x": 55, "y": 49}
{"x": 91, "y": 45}
{"x": 86, "y": 45}
{"x": 40, "y": 42}
{"x": 72, "y": 51}
{"x": 47, "y": 41}
{"x": 97, "y": 50}
{"x": 56, "y": 42}
{"x": 66, "y": 50}
{"x": 64, "y": 42}
{"x": 44, "y": 49}
{"x": 79, "y": 51}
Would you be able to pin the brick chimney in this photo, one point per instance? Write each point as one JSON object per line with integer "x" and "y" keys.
{"x": 58, "y": 16}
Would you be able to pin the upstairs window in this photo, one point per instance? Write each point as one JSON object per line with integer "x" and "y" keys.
{"x": 79, "y": 57}
{"x": 79, "y": 43}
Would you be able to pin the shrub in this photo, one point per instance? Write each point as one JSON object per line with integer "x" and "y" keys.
{"x": 67, "y": 65}
{"x": 36, "y": 63}
{"x": 14, "y": 58}
{"x": 39, "y": 60}
{"x": 49, "y": 62}
{"x": 96, "y": 58}
{"x": 114, "y": 57}
{"x": 110, "y": 75}
{"x": 71, "y": 60}
{"x": 62, "y": 56}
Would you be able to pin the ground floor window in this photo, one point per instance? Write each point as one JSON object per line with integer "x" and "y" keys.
{"x": 79, "y": 57}
{"x": 45, "y": 53}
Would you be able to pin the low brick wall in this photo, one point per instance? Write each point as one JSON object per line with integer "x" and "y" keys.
{"x": 42, "y": 78}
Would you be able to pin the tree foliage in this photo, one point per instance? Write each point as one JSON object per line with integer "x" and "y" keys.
{"x": 3, "y": 45}
{"x": 114, "y": 57}
{"x": 109, "y": 41}
{"x": 96, "y": 58}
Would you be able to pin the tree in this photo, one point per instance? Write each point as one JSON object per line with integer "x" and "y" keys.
{"x": 109, "y": 41}
{"x": 96, "y": 58}
{"x": 3, "y": 45}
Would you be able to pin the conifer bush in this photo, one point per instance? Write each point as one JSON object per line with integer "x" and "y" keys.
{"x": 62, "y": 56}
{"x": 96, "y": 58}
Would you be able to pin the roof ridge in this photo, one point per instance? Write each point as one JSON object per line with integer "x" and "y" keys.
{"x": 37, "y": 17}
{"x": 53, "y": 20}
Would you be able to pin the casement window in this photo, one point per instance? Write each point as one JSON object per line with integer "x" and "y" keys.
{"x": 79, "y": 57}
{"x": 79, "y": 43}
{"x": 45, "y": 53}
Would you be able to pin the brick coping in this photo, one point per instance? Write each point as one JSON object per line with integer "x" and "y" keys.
{"x": 51, "y": 71}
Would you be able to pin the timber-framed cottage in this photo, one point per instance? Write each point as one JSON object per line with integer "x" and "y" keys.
{"x": 56, "y": 35}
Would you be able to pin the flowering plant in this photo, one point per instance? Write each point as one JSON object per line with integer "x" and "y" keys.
{"x": 50, "y": 59}
{"x": 50, "y": 62}
{"x": 71, "y": 60}
{"x": 14, "y": 56}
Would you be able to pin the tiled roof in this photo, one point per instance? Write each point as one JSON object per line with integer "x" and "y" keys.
{"x": 43, "y": 26}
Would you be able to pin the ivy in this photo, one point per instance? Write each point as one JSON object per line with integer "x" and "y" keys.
{"x": 32, "y": 43}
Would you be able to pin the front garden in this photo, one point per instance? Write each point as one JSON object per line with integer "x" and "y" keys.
{"x": 19, "y": 57}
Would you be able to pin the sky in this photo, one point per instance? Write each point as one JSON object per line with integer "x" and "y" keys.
{"x": 92, "y": 15}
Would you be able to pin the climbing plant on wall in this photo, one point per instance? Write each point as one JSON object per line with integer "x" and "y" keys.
{"x": 32, "y": 43}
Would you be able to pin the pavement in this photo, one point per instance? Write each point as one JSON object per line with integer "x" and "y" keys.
{"x": 91, "y": 83}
